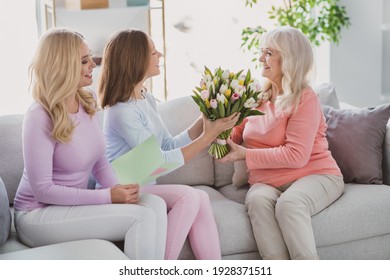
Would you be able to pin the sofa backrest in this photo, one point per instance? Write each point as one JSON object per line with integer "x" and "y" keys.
{"x": 11, "y": 153}
{"x": 178, "y": 114}
{"x": 386, "y": 156}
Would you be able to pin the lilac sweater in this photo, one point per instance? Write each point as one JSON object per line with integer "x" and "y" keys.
{"x": 57, "y": 173}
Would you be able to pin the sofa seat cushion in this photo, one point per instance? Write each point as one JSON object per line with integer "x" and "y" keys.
{"x": 234, "y": 227}
{"x": 5, "y": 214}
{"x": 90, "y": 249}
{"x": 233, "y": 193}
{"x": 363, "y": 211}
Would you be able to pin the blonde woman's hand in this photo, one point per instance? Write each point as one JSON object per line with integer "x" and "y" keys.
{"x": 237, "y": 152}
{"x": 125, "y": 194}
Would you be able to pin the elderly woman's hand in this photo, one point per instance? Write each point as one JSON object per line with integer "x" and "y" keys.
{"x": 237, "y": 152}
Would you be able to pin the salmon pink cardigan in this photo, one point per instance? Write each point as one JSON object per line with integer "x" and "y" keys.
{"x": 284, "y": 147}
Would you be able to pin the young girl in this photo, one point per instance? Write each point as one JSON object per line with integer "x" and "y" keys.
{"x": 62, "y": 145}
{"x": 131, "y": 117}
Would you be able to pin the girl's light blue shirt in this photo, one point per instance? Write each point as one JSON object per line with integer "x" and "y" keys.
{"x": 127, "y": 124}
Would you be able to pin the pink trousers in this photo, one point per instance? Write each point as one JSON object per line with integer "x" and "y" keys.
{"x": 189, "y": 214}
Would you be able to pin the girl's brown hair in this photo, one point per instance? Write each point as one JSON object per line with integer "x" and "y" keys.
{"x": 124, "y": 65}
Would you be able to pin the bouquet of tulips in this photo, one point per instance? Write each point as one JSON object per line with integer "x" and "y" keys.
{"x": 222, "y": 93}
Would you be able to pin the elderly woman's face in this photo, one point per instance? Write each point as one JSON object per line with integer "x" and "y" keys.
{"x": 271, "y": 65}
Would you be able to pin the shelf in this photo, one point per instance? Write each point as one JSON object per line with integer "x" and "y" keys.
{"x": 104, "y": 10}
{"x": 98, "y": 24}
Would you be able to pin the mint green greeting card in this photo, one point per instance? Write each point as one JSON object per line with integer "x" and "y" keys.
{"x": 143, "y": 164}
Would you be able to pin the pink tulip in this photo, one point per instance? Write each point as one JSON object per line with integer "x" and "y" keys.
{"x": 235, "y": 96}
{"x": 213, "y": 103}
{"x": 205, "y": 94}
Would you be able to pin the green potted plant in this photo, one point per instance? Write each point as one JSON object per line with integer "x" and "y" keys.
{"x": 319, "y": 20}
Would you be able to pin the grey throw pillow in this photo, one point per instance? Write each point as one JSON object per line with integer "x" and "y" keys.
{"x": 5, "y": 214}
{"x": 355, "y": 139}
{"x": 327, "y": 94}
{"x": 240, "y": 176}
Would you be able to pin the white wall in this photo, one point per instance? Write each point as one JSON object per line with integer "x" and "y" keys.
{"x": 18, "y": 39}
{"x": 356, "y": 63}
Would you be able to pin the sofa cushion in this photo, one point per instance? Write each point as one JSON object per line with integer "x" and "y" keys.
{"x": 11, "y": 163}
{"x": 89, "y": 249}
{"x": 355, "y": 139}
{"x": 240, "y": 176}
{"x": 234, "y": 227}
{"x": 185, "y": 112}
{"x": 327, "y": 94}
{"x": 5, "y": 214}
{"x": 362, "y": 211}
{"x": 198, "y": 170}
{"x": 233, "y": 193}
{"x": 223, "y": 173}
{"x": 386, "y": 156}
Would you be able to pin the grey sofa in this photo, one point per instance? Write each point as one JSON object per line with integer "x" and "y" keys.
{"x": 356, "y": 226}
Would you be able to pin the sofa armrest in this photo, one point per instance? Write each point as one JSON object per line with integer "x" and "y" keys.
{"x": 386, "y": 156}
{"x": 5, "y": 214}
{"x": 88, "y": 249}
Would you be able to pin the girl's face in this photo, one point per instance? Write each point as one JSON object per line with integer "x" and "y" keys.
{"x": 87, "y": 65}
{"x": 154, "y": 61}
{"x": 271, "y": 65}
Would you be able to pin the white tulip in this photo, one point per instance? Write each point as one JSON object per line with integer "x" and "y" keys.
{"x": 223, "y": 88}
{"x": 250, "y": 103}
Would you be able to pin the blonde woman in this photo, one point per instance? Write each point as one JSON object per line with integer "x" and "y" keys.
{"x": 63, "y": 144}
{"x": 292, "y": 174}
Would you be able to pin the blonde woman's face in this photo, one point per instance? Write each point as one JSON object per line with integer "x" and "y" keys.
{"x": 271, "y": 65}
{"x": 87, "y": 65}
{"x": 154, "y": 61}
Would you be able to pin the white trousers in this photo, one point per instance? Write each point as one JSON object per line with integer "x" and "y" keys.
{"x": 281, "y": 217}
{"x": 142, "y": 226}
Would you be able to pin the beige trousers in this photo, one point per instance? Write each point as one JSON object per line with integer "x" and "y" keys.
{"x": 281, "y": 217}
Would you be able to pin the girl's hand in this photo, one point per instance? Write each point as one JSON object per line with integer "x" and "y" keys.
{"x": 125, "y": 194}
{"x": 214, "y": 128}
{"x": 237, "y": 152}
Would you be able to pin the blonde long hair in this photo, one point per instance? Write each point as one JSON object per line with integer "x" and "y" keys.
{"x": 55, "y": 75}
{"x": 297, "y": 64}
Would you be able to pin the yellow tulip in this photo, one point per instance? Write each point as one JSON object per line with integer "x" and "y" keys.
{"x": 207, "y": 103}
{"x": 228, "y": 92}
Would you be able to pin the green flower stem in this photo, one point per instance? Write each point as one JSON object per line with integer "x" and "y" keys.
{"x": 217, "y": 150}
